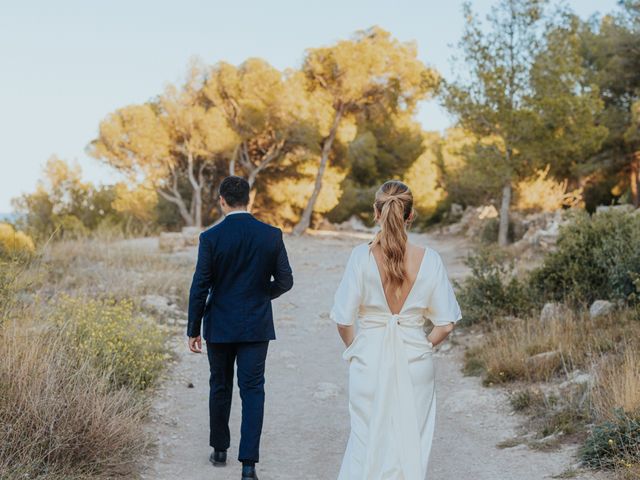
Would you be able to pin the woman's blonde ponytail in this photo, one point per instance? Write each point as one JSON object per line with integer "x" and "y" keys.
{"x": 394, "y": 207}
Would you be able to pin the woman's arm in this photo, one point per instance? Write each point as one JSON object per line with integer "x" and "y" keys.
{"x": 346, "y": 333}
{"x": 440, "y": 333}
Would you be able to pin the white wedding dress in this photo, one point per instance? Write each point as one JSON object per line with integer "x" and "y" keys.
{"x": 391, "y": 375}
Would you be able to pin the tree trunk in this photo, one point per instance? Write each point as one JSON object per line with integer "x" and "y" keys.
{"x": 252, "y": 191}
{"x": 182, "y": 208}
{"x": 252, "y": 199}
{"x": 196, "y": 198}
{"x": 305, "y": 219}
{"x": 503, "y": 231}
{"x": 634, "y": 179}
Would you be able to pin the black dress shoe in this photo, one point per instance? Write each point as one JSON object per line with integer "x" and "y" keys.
{"x": 249, "y": 473}
{"x": 218, "y": 458}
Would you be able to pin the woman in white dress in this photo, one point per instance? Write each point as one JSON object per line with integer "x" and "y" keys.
{"x": 389, "y": 289}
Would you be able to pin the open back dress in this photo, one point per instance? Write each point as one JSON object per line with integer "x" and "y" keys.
{"x": 391, "y": 375}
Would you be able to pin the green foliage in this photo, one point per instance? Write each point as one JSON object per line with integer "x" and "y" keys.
{"x": 613, "y": 444}
{"x": 129, "y": 348}
{"x": 613, "y": 64}
{"x": 526, "y": 98}
{"x": 491, "y": 290}
{"x": 597, "y": 257}
{"x": 65, "y": 205}
{"x": 362, "y": 81}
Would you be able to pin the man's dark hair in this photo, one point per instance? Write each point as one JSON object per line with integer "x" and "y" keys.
{"x": 235, "y": 191}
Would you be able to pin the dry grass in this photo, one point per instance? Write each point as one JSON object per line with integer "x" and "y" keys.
{"x": 617, "y": 385}
{"x": 532, "y": 350}
{"x": 61, "y": 419}
{"x": 118, "y": 269}
{"x": 537, "y": 357}
{"x": 71, "y": 405}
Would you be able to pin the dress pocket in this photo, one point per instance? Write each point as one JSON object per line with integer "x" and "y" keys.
{"x": 348, "y": 352}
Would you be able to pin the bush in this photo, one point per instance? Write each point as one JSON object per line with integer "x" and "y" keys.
{"x": 613, "y": 444}
{"x": 61, "y": 418}
{"x": 14, "y": 242}
{"x": 597, "y": 257}
{"x": 539, "y": 193}
{"x": 492, "y": 291}
{"x": 130, "y": 349}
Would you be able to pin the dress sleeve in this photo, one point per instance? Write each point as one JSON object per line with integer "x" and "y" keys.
{"x": 347, "y": 298}
{"x": 443, "y": 306}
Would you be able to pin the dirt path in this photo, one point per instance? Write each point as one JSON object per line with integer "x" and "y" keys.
{"x": 306, "y": 420}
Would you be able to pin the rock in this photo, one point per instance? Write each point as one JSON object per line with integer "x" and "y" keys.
{"x": 552, "y": 310}
{"x": 171, "y": 242}
{"x": 163, "y": 306}
{"x": 544, "y": 358}
{"x": 541, "y": 229}
{"x": 456, "y": 210}
{"x": 600, "y": 308}
{"x": 354, "y": 224}
{"x": 577, "y": 378}
{"x": 191, "y": 236}
{"x": 156, "y": 302}
{"x": 326, "y": 225}
{"x": 472, "y": 220}
{"x": 325, "y": 390}
{"x": 476, "y": 222}
{"x": 488, "y": 211}
{"x": 625, "y": 208}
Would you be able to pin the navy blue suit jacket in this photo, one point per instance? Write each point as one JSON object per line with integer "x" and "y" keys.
{"x": 232, "y": 286}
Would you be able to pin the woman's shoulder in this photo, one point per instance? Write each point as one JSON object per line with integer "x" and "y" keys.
{"x": 360, "y": 250}
{"x": 432, "y": 256}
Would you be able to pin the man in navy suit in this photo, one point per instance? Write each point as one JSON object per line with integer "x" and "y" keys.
{"x": 242, "y": 266}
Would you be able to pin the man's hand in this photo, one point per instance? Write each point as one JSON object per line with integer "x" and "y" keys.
{"x": 195, "y": 344}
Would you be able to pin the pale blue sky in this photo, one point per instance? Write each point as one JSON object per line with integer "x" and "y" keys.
{"x": 66, "y": 64}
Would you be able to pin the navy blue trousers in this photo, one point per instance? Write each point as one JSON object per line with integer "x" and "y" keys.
{"x": 250, "y": 358}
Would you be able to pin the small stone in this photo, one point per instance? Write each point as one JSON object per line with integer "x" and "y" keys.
{"x": 190, "y": 385}
{"x": 325, "y": 390}
{"x": 577, "y": 378}
{"x": 543, "y": 358}
{"x": 600, "y": 308}
{"x": 552, "y": 310}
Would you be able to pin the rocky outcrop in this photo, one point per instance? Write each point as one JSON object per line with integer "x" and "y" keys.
{"x": 542, "y": 229}
{"x": 472, "y": 220}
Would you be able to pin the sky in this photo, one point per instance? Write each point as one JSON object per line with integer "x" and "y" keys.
{"x": 67, "y": 64}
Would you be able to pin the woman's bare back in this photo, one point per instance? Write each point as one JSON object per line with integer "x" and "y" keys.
{"x": 413, "y": 257}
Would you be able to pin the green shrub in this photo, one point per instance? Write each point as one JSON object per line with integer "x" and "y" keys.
{"x": 613, "y": 444}
{"x": 597, "y": 257}
{"x": 131, "y": 349}
{"x": 491, "y": 290}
